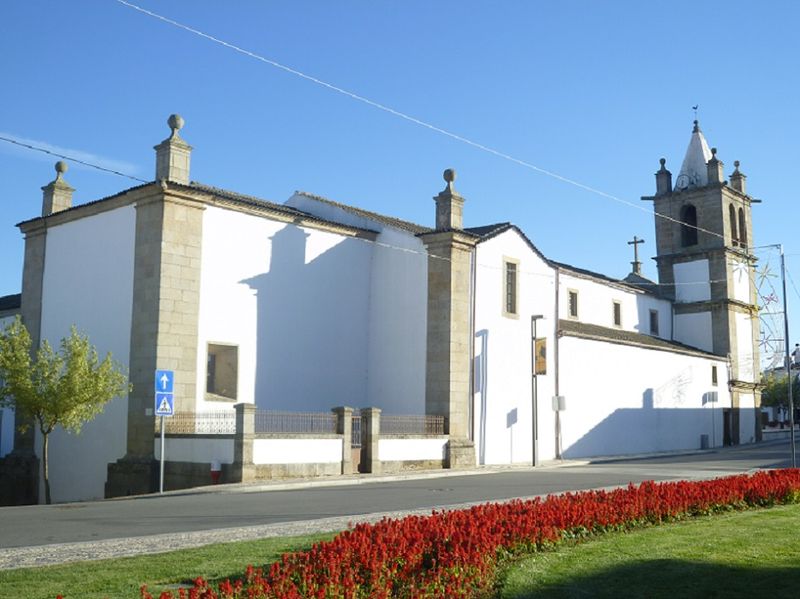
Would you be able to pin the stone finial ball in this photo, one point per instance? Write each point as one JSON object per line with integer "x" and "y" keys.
{"x": 714, "y": 151}
{"x": 61, "y": 167}
{"x": 449, "y": 175}
{"x": 175, "y": 121}
{"x": 736, "y": 163}
{"x": 662, "y": 161}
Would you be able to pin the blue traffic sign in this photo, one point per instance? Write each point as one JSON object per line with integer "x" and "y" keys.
{"x": 165, "y": 380}
{"x": 165, "y": 404}
{"x": 165, "y": 398}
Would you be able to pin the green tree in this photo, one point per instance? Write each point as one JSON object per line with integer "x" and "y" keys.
{"x": 55, "y": 388}
{"x": 776, "y": 391}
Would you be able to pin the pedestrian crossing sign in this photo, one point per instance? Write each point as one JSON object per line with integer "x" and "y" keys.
{"x": 165, "y": 404}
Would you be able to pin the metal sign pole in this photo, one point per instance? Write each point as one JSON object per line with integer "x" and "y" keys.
{"x": 788, "y": 361}
{"x": 161, "y": 477}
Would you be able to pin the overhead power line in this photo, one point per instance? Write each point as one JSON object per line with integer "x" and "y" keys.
{"x": 36, "y": 148}
{"x": 405, "y": 116}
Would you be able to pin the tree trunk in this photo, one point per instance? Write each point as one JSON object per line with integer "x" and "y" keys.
{"x": 45, "y": 439}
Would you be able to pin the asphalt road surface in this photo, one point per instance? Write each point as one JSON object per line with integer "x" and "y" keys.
{"x": 248, "y": 506}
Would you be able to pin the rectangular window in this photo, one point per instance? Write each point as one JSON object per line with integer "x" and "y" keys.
{"x": 654, "y": 322}
{"x": 573, "y": 304}
{"x": 617, "y": 314}
{"x": 510, "y": 287}
{"x": 222, "y": 372}
{"x": 714, "y": 375}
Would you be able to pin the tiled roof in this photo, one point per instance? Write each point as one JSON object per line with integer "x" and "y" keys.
{"x": 596, "y": 275}
{"x": 254, "y": 202}
{"x": 381, "y": 218}
{"x": 224, "y": 195}
{"x": 489, "y": 231}
{"x": 92, "y": 203}
{"x": 573, "y": 328}
{"x": 10, "y": 302}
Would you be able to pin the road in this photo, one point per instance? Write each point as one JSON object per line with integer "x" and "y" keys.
{"x": 249, "y": 509}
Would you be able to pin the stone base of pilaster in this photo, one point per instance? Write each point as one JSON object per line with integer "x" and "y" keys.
{"x": 19, "y": 479}
{"x": 132, "y": 476}
{"x": 460, "y": 454}
{"x": 242, "y": 473}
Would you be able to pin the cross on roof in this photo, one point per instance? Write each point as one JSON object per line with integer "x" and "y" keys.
{"x": 637, "y": 266}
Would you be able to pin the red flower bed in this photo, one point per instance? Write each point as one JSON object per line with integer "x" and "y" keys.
{"x": 455, "y": 553}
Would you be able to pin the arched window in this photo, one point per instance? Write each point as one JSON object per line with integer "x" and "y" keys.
{"x": 688, "y": 225}
{"x": 742, "y": 229}
{"x": 732, "y": 218}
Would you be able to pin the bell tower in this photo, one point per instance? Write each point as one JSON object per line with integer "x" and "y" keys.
{"x": 704, "y": 241}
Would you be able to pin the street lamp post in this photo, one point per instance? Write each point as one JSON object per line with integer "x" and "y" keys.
{"x": 534, "y": 394}
{"x": 788, "y": 360}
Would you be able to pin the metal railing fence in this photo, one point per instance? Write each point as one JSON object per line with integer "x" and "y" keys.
{"x": 199, "y": 423}
{"x": 295, "y": 422}
{"x": 422, "y": 424}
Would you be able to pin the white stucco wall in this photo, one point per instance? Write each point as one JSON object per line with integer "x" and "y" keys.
{"x": 88, "y": 282}
{"x": 637, "y": 400}
{"x": 294, "y": 300}
{"x": 692, "y": 281}
{"x": 747, "y": 418}
{"x": 397, "y": 324}
{"x": 741, "y": 281}
{"x": 297, "y": 451}
{"x": 596, "y": 305}
{"x": 695, "y": 330}
{"x": 744, "y": 347}
{"x": 200, "y": 450}
{"x": 502, "y": 407}
{"x": 397, "y": 310}
{"x": 411, "y": 449}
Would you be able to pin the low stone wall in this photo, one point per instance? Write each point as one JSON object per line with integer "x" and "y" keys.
{"x": 195, "y": 448}
{"x": 306, "y": 470}
{"x": 778, "y": 433}
{"x": 398, "y": 453}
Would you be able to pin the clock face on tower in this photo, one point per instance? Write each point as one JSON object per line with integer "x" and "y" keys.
{"x": 682, "y": 182}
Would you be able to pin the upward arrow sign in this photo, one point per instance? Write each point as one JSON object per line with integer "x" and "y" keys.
{"x": 164, "y": 381}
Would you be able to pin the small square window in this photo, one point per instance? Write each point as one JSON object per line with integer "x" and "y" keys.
{"x": 222, "y": 372}
{"x": 573, "y": 304}
{"x": 714, "y": 375}
{"x": 654, "y": 322}
{"x": 617, "y": 314}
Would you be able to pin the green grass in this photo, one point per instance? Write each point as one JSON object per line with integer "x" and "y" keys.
{"x": 740, "y": 554}
{"x": 122, "y": 577}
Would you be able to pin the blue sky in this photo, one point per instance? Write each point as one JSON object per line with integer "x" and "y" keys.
{"x": 596, "y": 92}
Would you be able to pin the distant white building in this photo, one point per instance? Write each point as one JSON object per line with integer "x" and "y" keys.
{"x": 312, "y": 304}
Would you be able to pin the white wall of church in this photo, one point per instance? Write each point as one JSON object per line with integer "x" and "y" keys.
{"x": 694, "y": 329}
{"x": 744, "y": 347}
{"x": 293, "y": 299}
{"x": 502, "y": 414}
{"x": 631, "y": 400}
{"x": 692, "y": 281}
{"x": 397, "y": 324}
{"x": 747, "y": 418}
{"x": 397, "y": 310}
{"x": 741, "y": 281}
{"x": 88, "y": 282}
{"x": 596, "y": 305}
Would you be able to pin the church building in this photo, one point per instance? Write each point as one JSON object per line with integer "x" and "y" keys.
{"x": 311, "y": 304}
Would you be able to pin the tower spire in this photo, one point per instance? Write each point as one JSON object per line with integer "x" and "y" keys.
{"x": 694, "y": 172}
